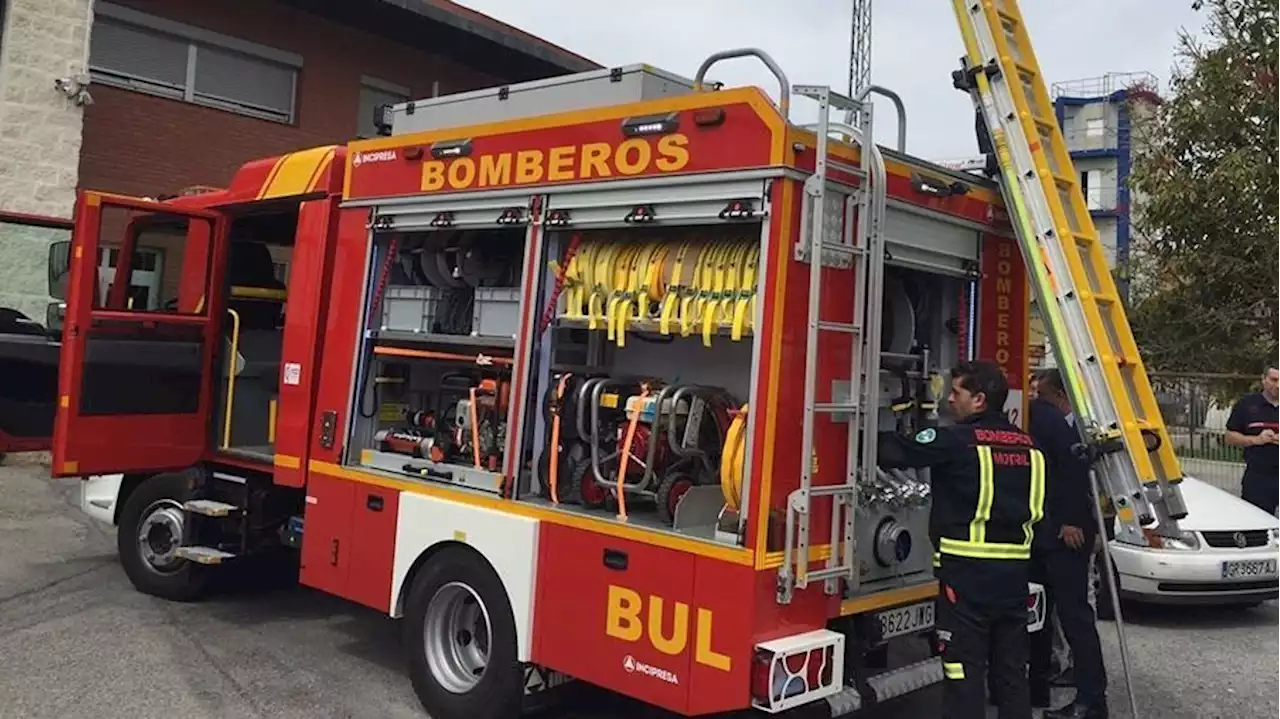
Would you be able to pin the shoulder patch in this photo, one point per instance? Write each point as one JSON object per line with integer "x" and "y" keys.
{"x": 925, "y": 436}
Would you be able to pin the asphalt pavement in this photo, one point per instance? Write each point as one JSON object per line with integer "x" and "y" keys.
{"x": 77, "y": 641}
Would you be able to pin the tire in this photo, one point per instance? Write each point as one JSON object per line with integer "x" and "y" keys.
{"x": 583, "y": 488}
{"x": 155, "y": 507}
{"x": 1105, "y": 610}
{"x": 452, "y": 598}
{"x": 572, "y": 453}
{"x": 667, "y": 498}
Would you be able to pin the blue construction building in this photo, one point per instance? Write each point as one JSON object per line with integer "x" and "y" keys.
{"x": 1097, "y": 115}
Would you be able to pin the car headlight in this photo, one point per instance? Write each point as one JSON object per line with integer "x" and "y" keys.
{"x": 1185, "y": 541}
{"x": 1273, "y": 535}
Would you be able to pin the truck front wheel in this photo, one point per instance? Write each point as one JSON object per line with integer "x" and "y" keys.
{"x": 461, "y": 638}
{"x": 149, "y": 533}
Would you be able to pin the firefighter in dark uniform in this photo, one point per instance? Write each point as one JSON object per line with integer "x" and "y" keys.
{"x": 1253, "y": 426}
{"x": 988, "y": 487}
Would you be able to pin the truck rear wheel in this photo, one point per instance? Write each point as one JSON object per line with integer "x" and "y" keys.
{"x": 461, "y": 636}
{"x": 149, "y": 534}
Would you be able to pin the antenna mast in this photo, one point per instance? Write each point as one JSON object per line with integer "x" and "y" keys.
{"x": 860, "y": 48}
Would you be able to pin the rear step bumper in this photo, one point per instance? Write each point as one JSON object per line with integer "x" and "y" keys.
{"x": 888, "y": 685}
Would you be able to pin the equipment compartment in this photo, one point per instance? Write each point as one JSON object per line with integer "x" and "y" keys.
{"x": 651, "y": 428}
{"x": 433, "y": 394}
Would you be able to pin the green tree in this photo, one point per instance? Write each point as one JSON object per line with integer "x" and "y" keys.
{"x": 1204, "y": 268}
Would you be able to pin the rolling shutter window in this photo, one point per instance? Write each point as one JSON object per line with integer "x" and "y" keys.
{"x": 244, "y": 83}
{"x": 161, "y": 57}
{"x": 137, "y": 57}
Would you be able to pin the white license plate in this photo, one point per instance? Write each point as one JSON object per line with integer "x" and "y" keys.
{"x": 1249, "y": 568}
{"x": 905, "y": 620}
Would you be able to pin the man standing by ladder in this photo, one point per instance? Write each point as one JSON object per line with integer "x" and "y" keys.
{"x": 1063, "y": 549}
{"x": 988, "y": 493}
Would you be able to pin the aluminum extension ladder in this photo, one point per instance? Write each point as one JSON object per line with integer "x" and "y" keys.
{"x": 845, "y": 244}
{"x": 1110, "y": 392}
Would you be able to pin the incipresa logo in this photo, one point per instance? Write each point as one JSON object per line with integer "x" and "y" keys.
{"x": 635, "y": 666}
{"x": 375, "y": 156}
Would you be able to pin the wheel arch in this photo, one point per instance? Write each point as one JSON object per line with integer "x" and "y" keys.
{"x": 402, "y": 596}
{"x": 507, "y": 544}
{"x": 129, "y": 483}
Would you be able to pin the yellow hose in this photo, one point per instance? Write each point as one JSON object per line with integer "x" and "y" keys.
{"x": 732, "y": 460}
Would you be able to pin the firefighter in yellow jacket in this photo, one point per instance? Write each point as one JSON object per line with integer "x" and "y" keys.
{"x": 988, "y": 486}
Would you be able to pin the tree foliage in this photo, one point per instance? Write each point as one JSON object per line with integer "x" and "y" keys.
{"x": 1204, "y": 268}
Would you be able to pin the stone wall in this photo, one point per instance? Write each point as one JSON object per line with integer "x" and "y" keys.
{"x": 40, "y": 135}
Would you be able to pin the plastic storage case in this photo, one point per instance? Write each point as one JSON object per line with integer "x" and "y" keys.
{"x": 410, "y": 309}
{"x": 496, "y": 312}
{"x": 579, "y": 91}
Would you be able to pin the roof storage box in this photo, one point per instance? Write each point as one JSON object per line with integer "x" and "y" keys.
{"x": 597, "y": 88}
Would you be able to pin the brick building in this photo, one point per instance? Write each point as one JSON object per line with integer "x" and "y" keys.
{"x": 181, "y": 92}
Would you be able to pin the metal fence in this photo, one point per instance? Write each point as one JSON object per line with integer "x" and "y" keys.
{"x": 1195, "y": 409}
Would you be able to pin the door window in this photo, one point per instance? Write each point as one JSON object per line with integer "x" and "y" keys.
{"x": 168, "y": 267}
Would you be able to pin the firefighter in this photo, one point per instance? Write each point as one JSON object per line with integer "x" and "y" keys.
{"x": 988, "y": 485}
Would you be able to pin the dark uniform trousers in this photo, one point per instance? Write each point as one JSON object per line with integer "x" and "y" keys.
{"x": 1260, "y": 488}
{"x": 981, "y": 613}
{"x": 1065, "y": 573}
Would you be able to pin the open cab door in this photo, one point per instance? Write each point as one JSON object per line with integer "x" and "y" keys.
{"x": 140, "y": 337}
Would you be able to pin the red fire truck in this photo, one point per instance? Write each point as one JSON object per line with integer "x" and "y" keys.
{"x": 580, "y": 378}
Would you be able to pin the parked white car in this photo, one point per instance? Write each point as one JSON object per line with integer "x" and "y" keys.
{"x": 1227, "y": 554}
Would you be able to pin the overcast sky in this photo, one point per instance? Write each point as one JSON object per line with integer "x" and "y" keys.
{"x": 916, "y": 44}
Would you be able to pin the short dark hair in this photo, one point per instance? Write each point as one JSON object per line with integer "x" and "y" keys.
{"x": 986, "y": 377}
{"x": 1052, "y": 379}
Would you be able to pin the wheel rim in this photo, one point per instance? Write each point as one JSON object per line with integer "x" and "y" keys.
{"x": 592, "y": 493}
{"x": 456, "y": 636}
{"x": 160, "y": 535}
{"x": 678, "y": 489}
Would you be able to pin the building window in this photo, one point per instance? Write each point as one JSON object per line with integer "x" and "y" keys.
{"x": 148, "y": 54}
{"x": 1091, "y": 186}
{"x": 144, "y": 278}
{"x": 373, "y": 93}
{"x": 1094, "y": 127}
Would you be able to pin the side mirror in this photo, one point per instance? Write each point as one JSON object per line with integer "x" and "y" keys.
{"x": 59, "y": 268}
{"x": 54, "y": 315}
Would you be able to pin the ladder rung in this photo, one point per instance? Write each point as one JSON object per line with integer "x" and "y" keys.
{"x": 1025, "y": 70}
{"x": 1106, "y": 299}
{"x": 847, "y": 169}
{"x": 827, "y": 490}
{"x": 835, "y": 99}
{"x": 1043, "y": 124}
{"x": 1067, "y": 182}
{"x": 817, "y": 575}
{"x": 1006, "y": 18}
{"x": 838, "y": 248}
{"x": 203, "y": 555}
{"x": 835, "y": 407}
{"x": 1082, "y": 239}
{"x": 845, "y": 327}
{"x": 210, "y": 507}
